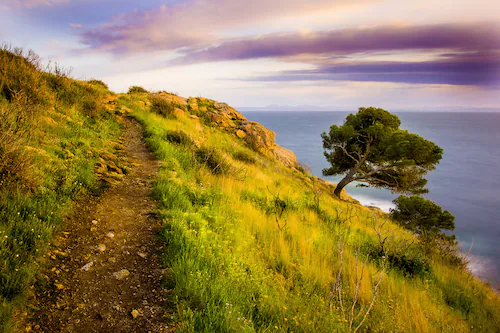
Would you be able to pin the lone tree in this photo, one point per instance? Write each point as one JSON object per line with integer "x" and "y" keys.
{"x": 370, "y": 147}
{"x": 423, "y": 217}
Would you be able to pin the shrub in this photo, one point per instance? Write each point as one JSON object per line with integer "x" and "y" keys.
{"x": 98, "y": 83}
{"x": 179, "y": 138}
{"x": 244, "y": 156}
{"x": 21, "y": 80}
{"x": 161, "y": 105}
{"x": 213, "y": 160}
{"x": 15, "y": 121}
{"x": 137, "y": 90}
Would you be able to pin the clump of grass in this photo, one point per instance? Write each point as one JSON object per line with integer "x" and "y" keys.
{"x": 98, "y": 83}
{"x": 137, "y": 90}
{"x": 245, "y": 157}
{"x": 162, "y": 105}
{"x": 213, "y": 159}
{"x": 179, "y": 138}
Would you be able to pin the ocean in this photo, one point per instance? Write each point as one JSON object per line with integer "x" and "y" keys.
{"x": 466, "y": 182}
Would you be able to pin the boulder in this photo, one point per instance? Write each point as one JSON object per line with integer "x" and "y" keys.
{"x": 287, "y": 157}
{"x": 174, "y": 98}
{"x": 229, "y": 111}
{"x": 178, "y": 113}
{"x": 240, "y": 134}
{"x": 258, "y": 137}
{"x": 220, "y": 119}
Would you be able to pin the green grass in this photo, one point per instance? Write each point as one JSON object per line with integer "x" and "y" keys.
{"x": 261, "y": 253}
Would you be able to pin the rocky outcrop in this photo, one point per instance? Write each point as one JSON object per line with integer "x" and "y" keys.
{"x": 227, "y": 118}
{"x": 285, "y": 156}
{"x": 258, "y": 137}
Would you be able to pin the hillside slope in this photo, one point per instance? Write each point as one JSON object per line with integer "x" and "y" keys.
{"x": 252, "y": 242}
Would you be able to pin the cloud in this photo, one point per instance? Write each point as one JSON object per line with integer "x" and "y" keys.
{"x": 453, "y": 69}
{"x": 463, "y": 37}
{"x": 195, "y": 23}
{"x": 76, "y": 26}
{"x": 32, "y": 3}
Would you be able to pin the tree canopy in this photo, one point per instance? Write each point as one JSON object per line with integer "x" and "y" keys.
{"x": 422, "y": 216}
{"x": 371, "y": 148}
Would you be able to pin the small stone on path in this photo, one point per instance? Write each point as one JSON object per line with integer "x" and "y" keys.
{"x": 110, "y": 235}
{"x": 142, "y": 255}
{"x": 94, "y": 222}
{"x": 87, "y": 266}
{"x": 134, "y": 313}
{"x": 120, "y": 275}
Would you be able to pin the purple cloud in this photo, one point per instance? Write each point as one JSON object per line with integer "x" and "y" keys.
{"x": 457, "y": 69}
{"x": 454, "y": 37}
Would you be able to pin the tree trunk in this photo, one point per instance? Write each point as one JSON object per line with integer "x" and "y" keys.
{"x": 340, "y": 186}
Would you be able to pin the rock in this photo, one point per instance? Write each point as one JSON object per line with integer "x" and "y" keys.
{"x": 87, "y": 266}
{"x": 174, "y": 98}
{"x": 134, "y": 313}
{"x": 142, "y": 255}
{"x": 220, "y": 119}
{"x": 101, "y": 248}
{"x": 120, "y": 275}
{"x": 194, "y": 117}
{"x": 240, "y": 134}
{"x": 178, "y": 113}
{"x": 287, "y": 157}
{"x": 229, "y": 111}
{"x": 94, "y": 222}
{"x": 193, "y": 107}
{"x": 110, "y": 235}
{"x": 259, "y": 138}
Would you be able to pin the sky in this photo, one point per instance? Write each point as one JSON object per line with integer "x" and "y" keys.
{"x": 341, "y": 54}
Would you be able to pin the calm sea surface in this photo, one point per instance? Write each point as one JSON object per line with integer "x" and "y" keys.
{"x": 466, "y": 182}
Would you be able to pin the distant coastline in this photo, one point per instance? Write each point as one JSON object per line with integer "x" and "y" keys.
{"x": 301, "y": 108}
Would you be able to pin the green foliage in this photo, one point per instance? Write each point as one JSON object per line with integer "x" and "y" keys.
{"x": 137, "y": 90}
{"x": 369, "y": 147}
{"x": 422, "y": 216}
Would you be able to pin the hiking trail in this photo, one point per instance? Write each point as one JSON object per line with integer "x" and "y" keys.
{"x": 105, "y": 275}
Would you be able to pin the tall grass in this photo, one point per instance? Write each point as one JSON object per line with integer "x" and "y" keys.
{"x": 237, "y": 264}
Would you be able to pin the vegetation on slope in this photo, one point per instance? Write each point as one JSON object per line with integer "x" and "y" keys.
{"x": 254, "y": 245}
{"x": 253, "y": 242}
{"x": 53, "y": 133}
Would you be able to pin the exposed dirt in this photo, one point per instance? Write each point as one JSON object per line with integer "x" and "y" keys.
{"x": 87, "y": 288}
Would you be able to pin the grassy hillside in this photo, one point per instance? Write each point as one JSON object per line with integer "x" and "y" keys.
{"x": 254, "y": 245}
{"x": 253, "y": 242}
{"x": 53, "y": 133}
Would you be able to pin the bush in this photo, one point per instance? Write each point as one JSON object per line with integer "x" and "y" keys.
{"x": 162, "y": 105}
{"x": 244, "y": 156}
{"x": 21, "y": 80}
{"x": 179, "y": 138}
{"x": 137, "y": 90}
{"x": 15, "y": 123}
{"x": 98, "y": 83}
{"x": 213, "y": 160}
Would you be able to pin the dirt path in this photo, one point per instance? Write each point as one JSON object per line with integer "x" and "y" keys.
{"x": 106, "y": 275}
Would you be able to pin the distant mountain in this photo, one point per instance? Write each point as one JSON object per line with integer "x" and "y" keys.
{"x": 275, "y": 107}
